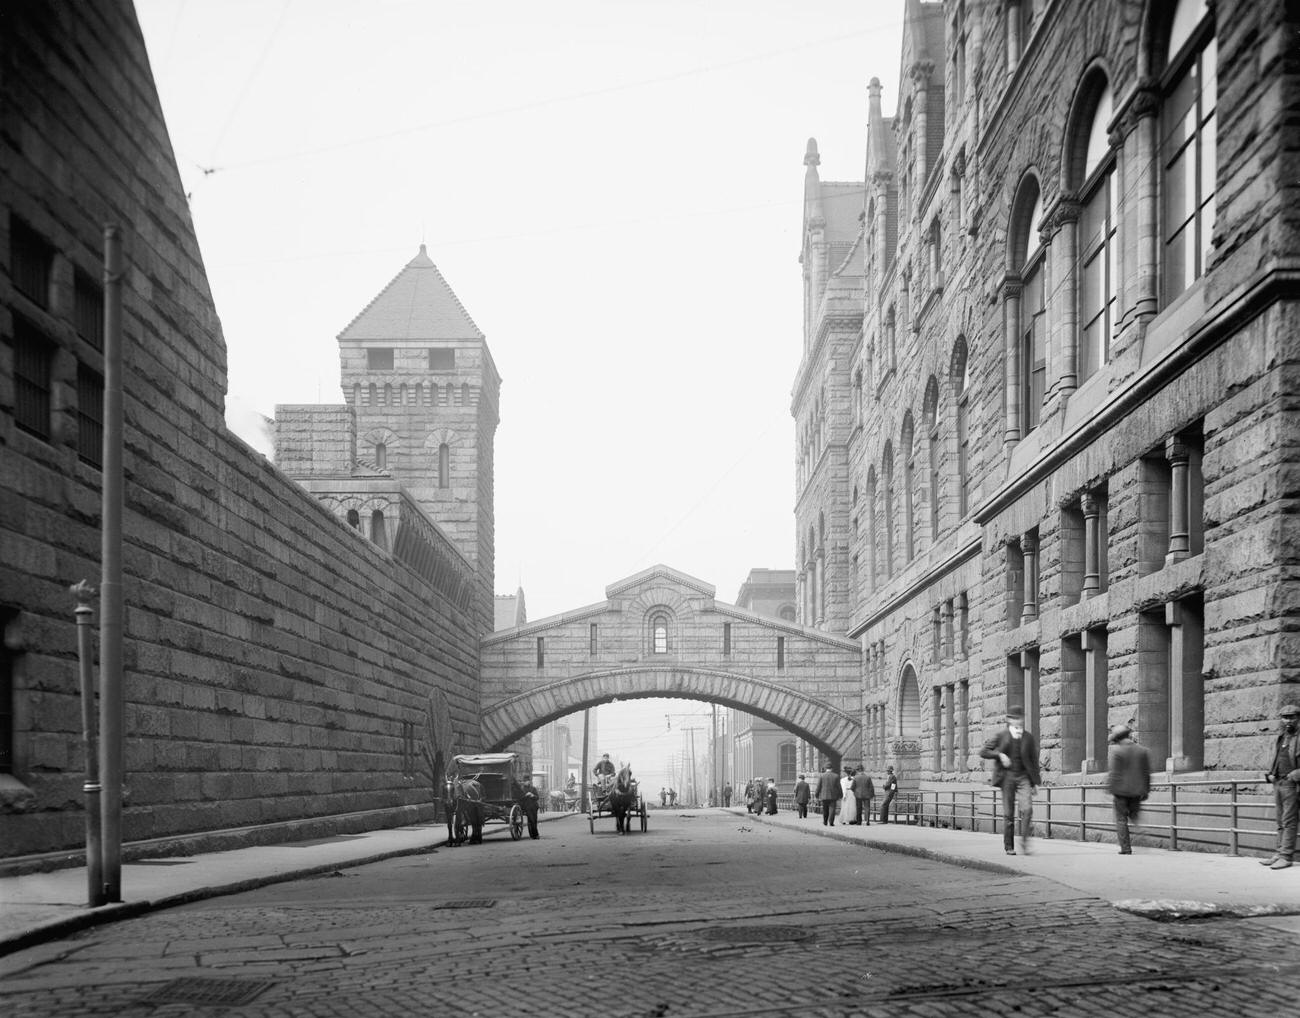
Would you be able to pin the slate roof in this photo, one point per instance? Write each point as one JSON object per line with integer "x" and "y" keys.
{"x": 418, "y": 304}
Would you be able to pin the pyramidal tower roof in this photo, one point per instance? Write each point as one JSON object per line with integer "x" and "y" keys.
{"x": 417, "y": 304}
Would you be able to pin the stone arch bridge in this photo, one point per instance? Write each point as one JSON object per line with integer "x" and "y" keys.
{"x": 661, "y": 633}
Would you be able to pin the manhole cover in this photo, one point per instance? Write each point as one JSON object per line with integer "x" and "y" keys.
{"x": 757, "y": 934}
{"x": 469, "y": 903}
{"x": 198, "y": 990}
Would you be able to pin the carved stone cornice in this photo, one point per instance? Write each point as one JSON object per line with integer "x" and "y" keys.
{"x": 1065, "y": 209}
{"x": 1142, "y": 102}
{"x": 1011, "y": 285}
{"x": 959, "y": 164}
{"x": 920, "y": 73}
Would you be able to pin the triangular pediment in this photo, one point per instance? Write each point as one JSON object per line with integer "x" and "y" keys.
{"x": 656, "y": 575}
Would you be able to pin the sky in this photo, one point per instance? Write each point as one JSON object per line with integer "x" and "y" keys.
{"x": 614, "y": 191}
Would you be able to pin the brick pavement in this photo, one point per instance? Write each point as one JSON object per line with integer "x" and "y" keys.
{"x": 715, "y": 916}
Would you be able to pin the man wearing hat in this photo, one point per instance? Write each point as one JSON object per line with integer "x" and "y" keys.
{"x": 1129, "y": 781}
{"x": 1014, "y": 753}
{"x": 1284, "y": 775}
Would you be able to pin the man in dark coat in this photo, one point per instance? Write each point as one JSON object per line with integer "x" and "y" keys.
{"x": 1014, "y": 752}
{"x": 726, "y": 794}
{"x": 829, "y": 793}
{"x": 528, "y": 803}
{"x": 769, "y": 797}
{"x": 891, "y": 790}
{"x": 864, "y": 791}
{"x": 1283, "y": 774}
{"x": 802, "y": 793}
{"x": 1128, "y": 780}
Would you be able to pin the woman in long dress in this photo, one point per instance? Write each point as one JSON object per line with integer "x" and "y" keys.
{"x": 848, "y": 804}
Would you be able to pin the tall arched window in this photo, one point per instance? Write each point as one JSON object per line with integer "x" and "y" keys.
{"x": 354, "y": 519}
{"x": 381, "y": 455}
{"x": 873, "y": 531}
{"x": 787, "y": 766}
{"x": 1187, "y": 152}
{"x": 961, "y": 385}
{"x": 887, "y": 469}
{"x": 930, "y": 409}
{"x": 1098, "y": 247}
{"x": 444, "y": 465}
{"x": 378, "y": 531}
{"x": 1028, "y": 256}
{"x": 659, "y": 634}
{"x": 907, "y": 449}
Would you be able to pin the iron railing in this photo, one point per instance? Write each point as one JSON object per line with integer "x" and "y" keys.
{"x": 1213, "y": 815}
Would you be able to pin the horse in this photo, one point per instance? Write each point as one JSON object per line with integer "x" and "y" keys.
{"x": 463, "y": 799}
{"x": 623, "y": 799}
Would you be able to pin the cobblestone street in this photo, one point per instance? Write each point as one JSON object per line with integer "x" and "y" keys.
{"x": 706, "y": 914}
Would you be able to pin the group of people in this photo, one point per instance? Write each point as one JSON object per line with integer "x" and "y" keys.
{"x": 760, "y": 796}
{"x": 846, "y": 798}
{"x": 667, "y": 797}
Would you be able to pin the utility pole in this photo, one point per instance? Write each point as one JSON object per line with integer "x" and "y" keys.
{"x": 83, "y": 592}
{"x": 111, "y": 699}
{"x": 715, "y": 794}
{"x": 586, "y": 728}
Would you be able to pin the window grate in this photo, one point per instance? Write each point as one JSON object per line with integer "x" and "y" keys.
{"x": 30, "y": 258}
{"x": 90, "y": 416}
{"x": 33, "y": 357}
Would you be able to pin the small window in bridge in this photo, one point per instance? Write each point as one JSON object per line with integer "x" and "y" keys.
{"x": 659, "y": 630}
{"x": 780, "y": 653}
{"x": 726, "y": 639}
{"x": 541, "y": 651}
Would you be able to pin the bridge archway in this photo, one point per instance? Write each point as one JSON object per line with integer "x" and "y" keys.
{"x": 832, "y": 731}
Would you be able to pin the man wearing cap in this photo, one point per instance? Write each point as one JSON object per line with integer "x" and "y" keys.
{"x": 1014, "y": 753}
{"x": 1128, "y": 781}
{"x": 1284, "y": 775}
{"x": 828, "y": 794}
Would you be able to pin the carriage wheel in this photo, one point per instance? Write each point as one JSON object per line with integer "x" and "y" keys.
{"x": 516, "y": 823}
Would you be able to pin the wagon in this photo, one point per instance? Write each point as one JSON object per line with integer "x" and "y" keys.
{"x": 601, "y": 805}
{"x": 484, "y": 781}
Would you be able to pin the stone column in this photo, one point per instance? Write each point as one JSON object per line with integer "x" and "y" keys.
{"x": 1091, "y": 544}
{"x": 1011, "y": 288}
{"x": 1141, "y": 179}
{"x": 946, "y": 639}
{"x": 1062, "y": 301}
{"x": 1095, "y": 697}
{"x": 1179, "y": 540}
{"x": 963, "y": 737}
{"x": 1029, "y": 548}
{"x": 819, "y": 589}
{"x": 920, "y": 73}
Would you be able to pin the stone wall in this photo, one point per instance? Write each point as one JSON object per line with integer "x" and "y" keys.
{"x": 277, "y": 665}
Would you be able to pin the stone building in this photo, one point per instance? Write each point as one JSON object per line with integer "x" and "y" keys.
{"x": 283, "y": 673}
{"x": 1045, "y": 427}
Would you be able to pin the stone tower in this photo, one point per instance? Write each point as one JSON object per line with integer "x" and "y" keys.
{"x": 421, "y": 413}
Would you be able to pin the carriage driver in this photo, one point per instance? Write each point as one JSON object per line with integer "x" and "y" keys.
{"x": 604, "y": 771}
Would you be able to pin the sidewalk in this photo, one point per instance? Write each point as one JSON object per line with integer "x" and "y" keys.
{"x": 48, "y": 906}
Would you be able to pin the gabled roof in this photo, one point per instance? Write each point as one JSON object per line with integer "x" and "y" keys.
{"x": 417, "y": 304}
{"x": 660, "y": 572}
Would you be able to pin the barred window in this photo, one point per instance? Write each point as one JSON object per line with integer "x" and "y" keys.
{"x": 33, "y": 360}
{"x": 90, "y": 415}
{"x": 88, "y": 310}
{"x": 30, "y": 260}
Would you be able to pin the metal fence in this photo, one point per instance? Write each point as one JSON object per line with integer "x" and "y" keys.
{"x": 1211, "y": 815}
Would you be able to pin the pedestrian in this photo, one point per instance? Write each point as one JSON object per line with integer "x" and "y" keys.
{"x": 751, "y": 794}
{"x": 663, "y": 796}
{"x": 802, "y": 793}
{"x": 1284, "y": 775}
{"x": 1014, "y": 753}
{"x": 672, "y": 797}
{"x": 828, "y": 794}
{"x": 726, "y": 794}
{"x": 528, "y": 802}
{"x": 770, "y": 796}
{"x": 864, "y": 790}
{"x": 1128, "y": 780}
{"x": 848, "y": 804}
{"x": 891, "y": 790}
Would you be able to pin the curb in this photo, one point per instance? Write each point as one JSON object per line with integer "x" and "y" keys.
{"x": 964, "y": 862}
{"x": 57, "y": 929}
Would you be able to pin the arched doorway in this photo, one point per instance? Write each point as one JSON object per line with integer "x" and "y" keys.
{"x": 906, "y": 745}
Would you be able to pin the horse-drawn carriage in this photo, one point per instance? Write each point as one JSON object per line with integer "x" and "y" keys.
{"x": 480, "y": 789}
{"x": 617, "y": 796}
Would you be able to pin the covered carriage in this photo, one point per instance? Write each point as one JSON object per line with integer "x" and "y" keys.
{"x": 482, "y": 787}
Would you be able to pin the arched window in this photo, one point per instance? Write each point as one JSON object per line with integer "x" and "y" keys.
{"x": 354, "y": 519}
{"x": 891, "y": 344}
{"x": 444, "y": 465}
{"x": 961, "y": 386}
{"x": 873, "y": 532}
{"x": 1098, "y": 256}
{"x": 1187, "y": 152}
{"x": 374, "y": 399}
{"x": 381, "y": 455}
{"x": 887, "y": 469}
{"x": 659, "y": 634}
{"x": 907, "y": 449}
{"x": 1027, "y": 256}
{"x": 931, "y": 411}
{"x": 388, "y": 394}
{"x": 378, "y": 531}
